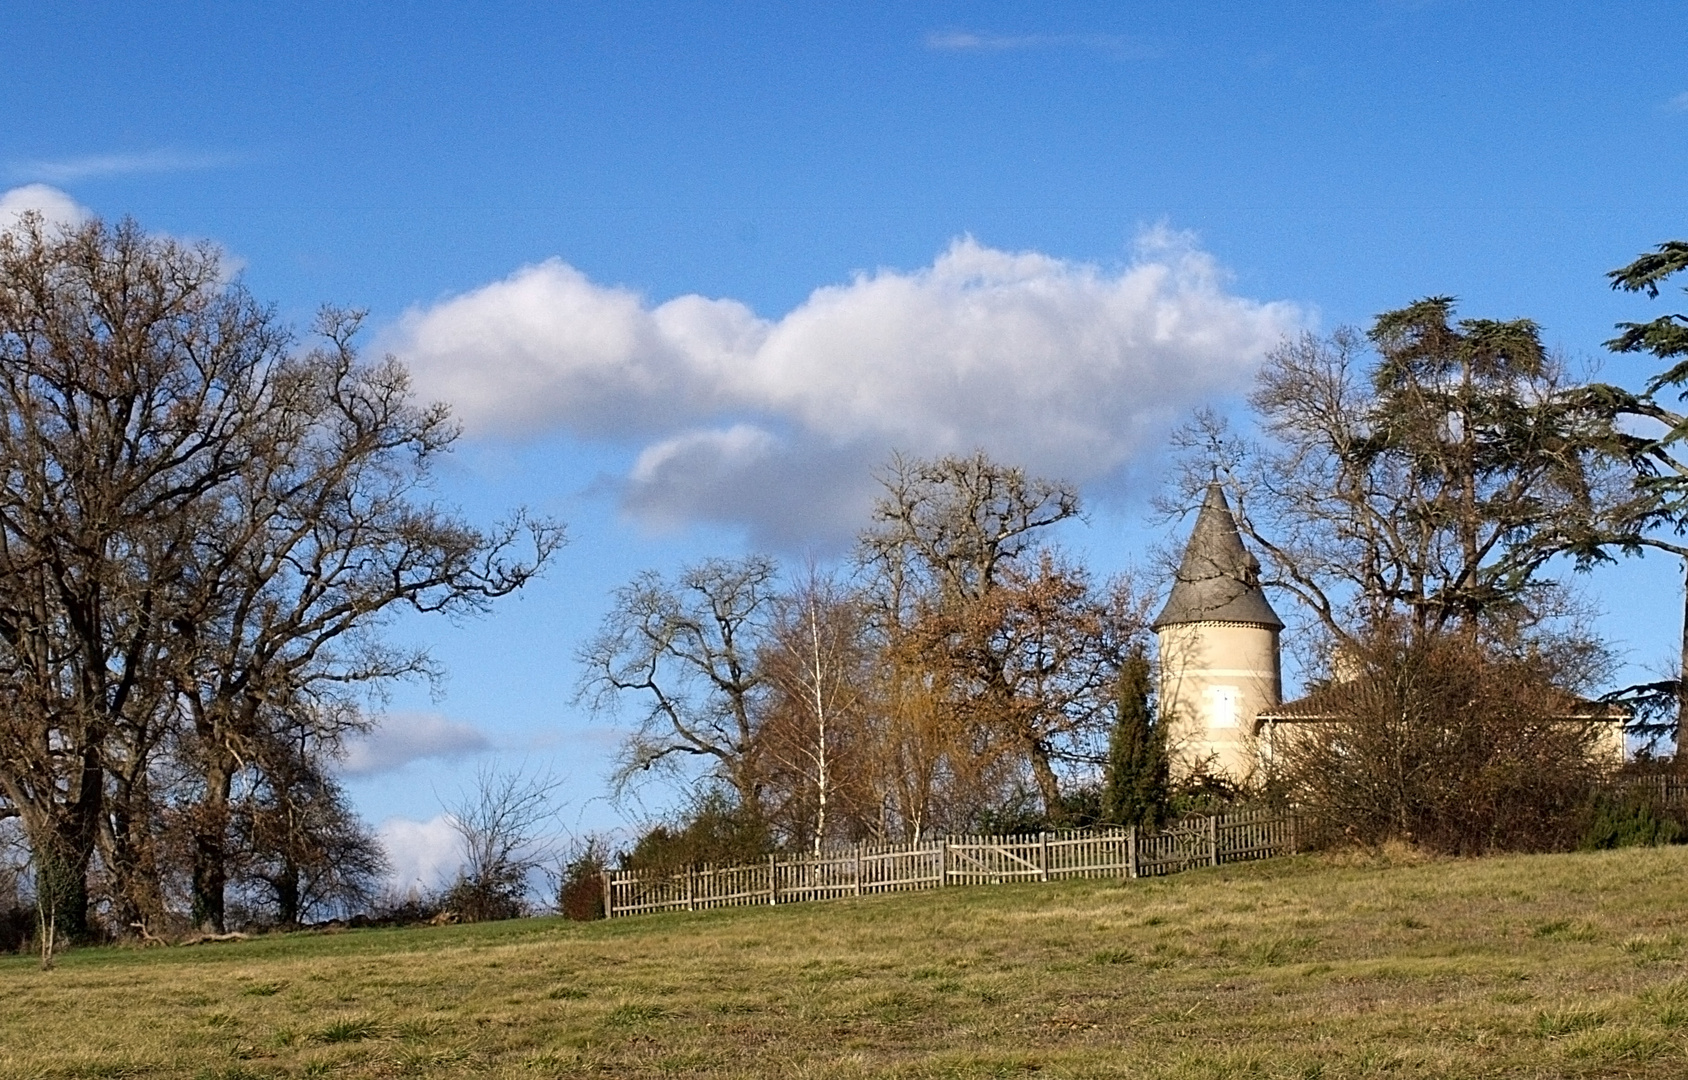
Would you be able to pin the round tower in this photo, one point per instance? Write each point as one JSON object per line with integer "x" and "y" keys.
{"x": 1218, "y": 650}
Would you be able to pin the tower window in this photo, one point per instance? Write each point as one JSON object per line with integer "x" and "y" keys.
{"x": 1223, "y": 705}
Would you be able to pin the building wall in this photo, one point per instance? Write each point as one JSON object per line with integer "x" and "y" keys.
{"x": 1214, "y": 679}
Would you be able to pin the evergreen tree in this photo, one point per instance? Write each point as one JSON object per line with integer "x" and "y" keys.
{"x": 1658, "y": 516}
{"x": 1137, "y": 779}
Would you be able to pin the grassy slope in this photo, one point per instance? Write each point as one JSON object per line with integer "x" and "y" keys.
{"x": 1545, "y": 966}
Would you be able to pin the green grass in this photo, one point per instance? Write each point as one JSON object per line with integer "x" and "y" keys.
{"x": 1551, "y": 966}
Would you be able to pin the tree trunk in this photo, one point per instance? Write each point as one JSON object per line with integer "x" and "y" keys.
{"x": 132, "y": 862}
{"x": 62, "y": 837}
{"x": 287, "y": 894}
{"x": 210, "y": 846}
{"x": 1048, "y": 785}
{"x": 1678, "y": 760}
{"x": 129, "y": 849}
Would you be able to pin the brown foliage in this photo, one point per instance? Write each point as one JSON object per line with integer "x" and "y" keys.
{"x": 1028, "y": 667}
{"x": 814, "y": 722}
{"x": 1000, "y": 655}
{"x": 1440, "y": 741}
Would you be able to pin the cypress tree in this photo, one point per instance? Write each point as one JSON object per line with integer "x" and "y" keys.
{"x": 1136, "y": 787}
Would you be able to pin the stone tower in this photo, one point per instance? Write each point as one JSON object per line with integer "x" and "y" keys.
{"x": 1218, "y": 650}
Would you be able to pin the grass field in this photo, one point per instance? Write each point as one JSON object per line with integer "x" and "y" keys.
{"x": 1569, "y": 965}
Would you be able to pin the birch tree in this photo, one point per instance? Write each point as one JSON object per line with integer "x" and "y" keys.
{"x": 817, "y": 661}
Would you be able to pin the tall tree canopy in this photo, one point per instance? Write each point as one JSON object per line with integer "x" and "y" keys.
{"x": 1658, "y": 514}
{"x": 201, "y": 530}
{"x": 1425, "y": 471}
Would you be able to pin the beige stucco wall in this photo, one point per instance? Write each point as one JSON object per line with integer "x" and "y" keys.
{"x": 1610, "y": 747}
{"x": 1214, "y": 679}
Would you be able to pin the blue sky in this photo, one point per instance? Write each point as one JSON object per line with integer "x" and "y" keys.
{"x": 686, "y": 270}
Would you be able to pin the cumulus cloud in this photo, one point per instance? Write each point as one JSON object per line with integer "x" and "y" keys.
{"x": 424, "y": 854}
{"x": 401, "y": 738}
{"x": 51, "y": 203}
{"x": 1065, "y": 367}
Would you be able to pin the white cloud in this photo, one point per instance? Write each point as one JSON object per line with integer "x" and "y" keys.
{"x": 51, "y": 203}
{"x": 400, "y": 738}
{"x": 968, "y": 41}
{"x": 1065, "y": 367}
{"x": 94, "y": 166}
{"x": 424, "y": 854}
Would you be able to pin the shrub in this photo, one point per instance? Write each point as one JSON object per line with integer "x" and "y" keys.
{"x": 1618, "y": 820}
{"x": 715, "y": 832}
{"x": 1445, "y": 742}
{"x": 580, "y": 887}
{"x": 497, "y": 893}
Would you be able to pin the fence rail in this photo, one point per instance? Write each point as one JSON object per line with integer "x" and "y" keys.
{"x": 959, "y": 860}
{"x": 1668, "y": 790}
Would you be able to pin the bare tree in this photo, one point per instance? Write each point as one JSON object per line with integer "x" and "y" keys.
{"x": 1431, "y": 478}
{"x": 1013, "y": 646}
{"x": 124, "y": 363}
{"x": 946, "y": 527}
{"x": 816, "y": 659}
{"x": 321, "y": 536}
{"x": 687, "y": 651}
{"x": 298, "y": 851}
{"x": 199, "y": 532}
{"x": 503, "y": 820}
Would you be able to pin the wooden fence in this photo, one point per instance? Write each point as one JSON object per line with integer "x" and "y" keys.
{"x": 959, "y": 860}
{"x": 1665, "y": 789}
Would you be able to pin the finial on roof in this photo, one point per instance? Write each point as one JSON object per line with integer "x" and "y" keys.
{"x": 1217, "y": 580}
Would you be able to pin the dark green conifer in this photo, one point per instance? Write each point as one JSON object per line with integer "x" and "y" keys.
{"x": 1135, "y": 791}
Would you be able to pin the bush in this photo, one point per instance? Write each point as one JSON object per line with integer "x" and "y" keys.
{"x": 580, "y": 889}
{"x": 1022, "y": 813}
{"x": 1444, "y": 742}
{"x": 715, "y": 832}
{"x": 17, "y": 928}
{"x": 497, "y": 893}
{"x": 17, "y": 907}
{"x": 1622, "y": 820}
{"x": 1203, "y": 792}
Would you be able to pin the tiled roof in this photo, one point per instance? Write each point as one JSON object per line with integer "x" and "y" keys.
{"x": 1218, "y": 580}
{"x": 1336, "y": 701}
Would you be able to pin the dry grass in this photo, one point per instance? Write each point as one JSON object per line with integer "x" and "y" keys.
{"x": 1567, "y": 965}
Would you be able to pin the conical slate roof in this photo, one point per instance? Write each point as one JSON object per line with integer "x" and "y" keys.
{"x": 1218, "y": 581}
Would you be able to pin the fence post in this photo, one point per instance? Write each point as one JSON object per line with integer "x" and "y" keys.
{"x": 1250, "y": 837}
